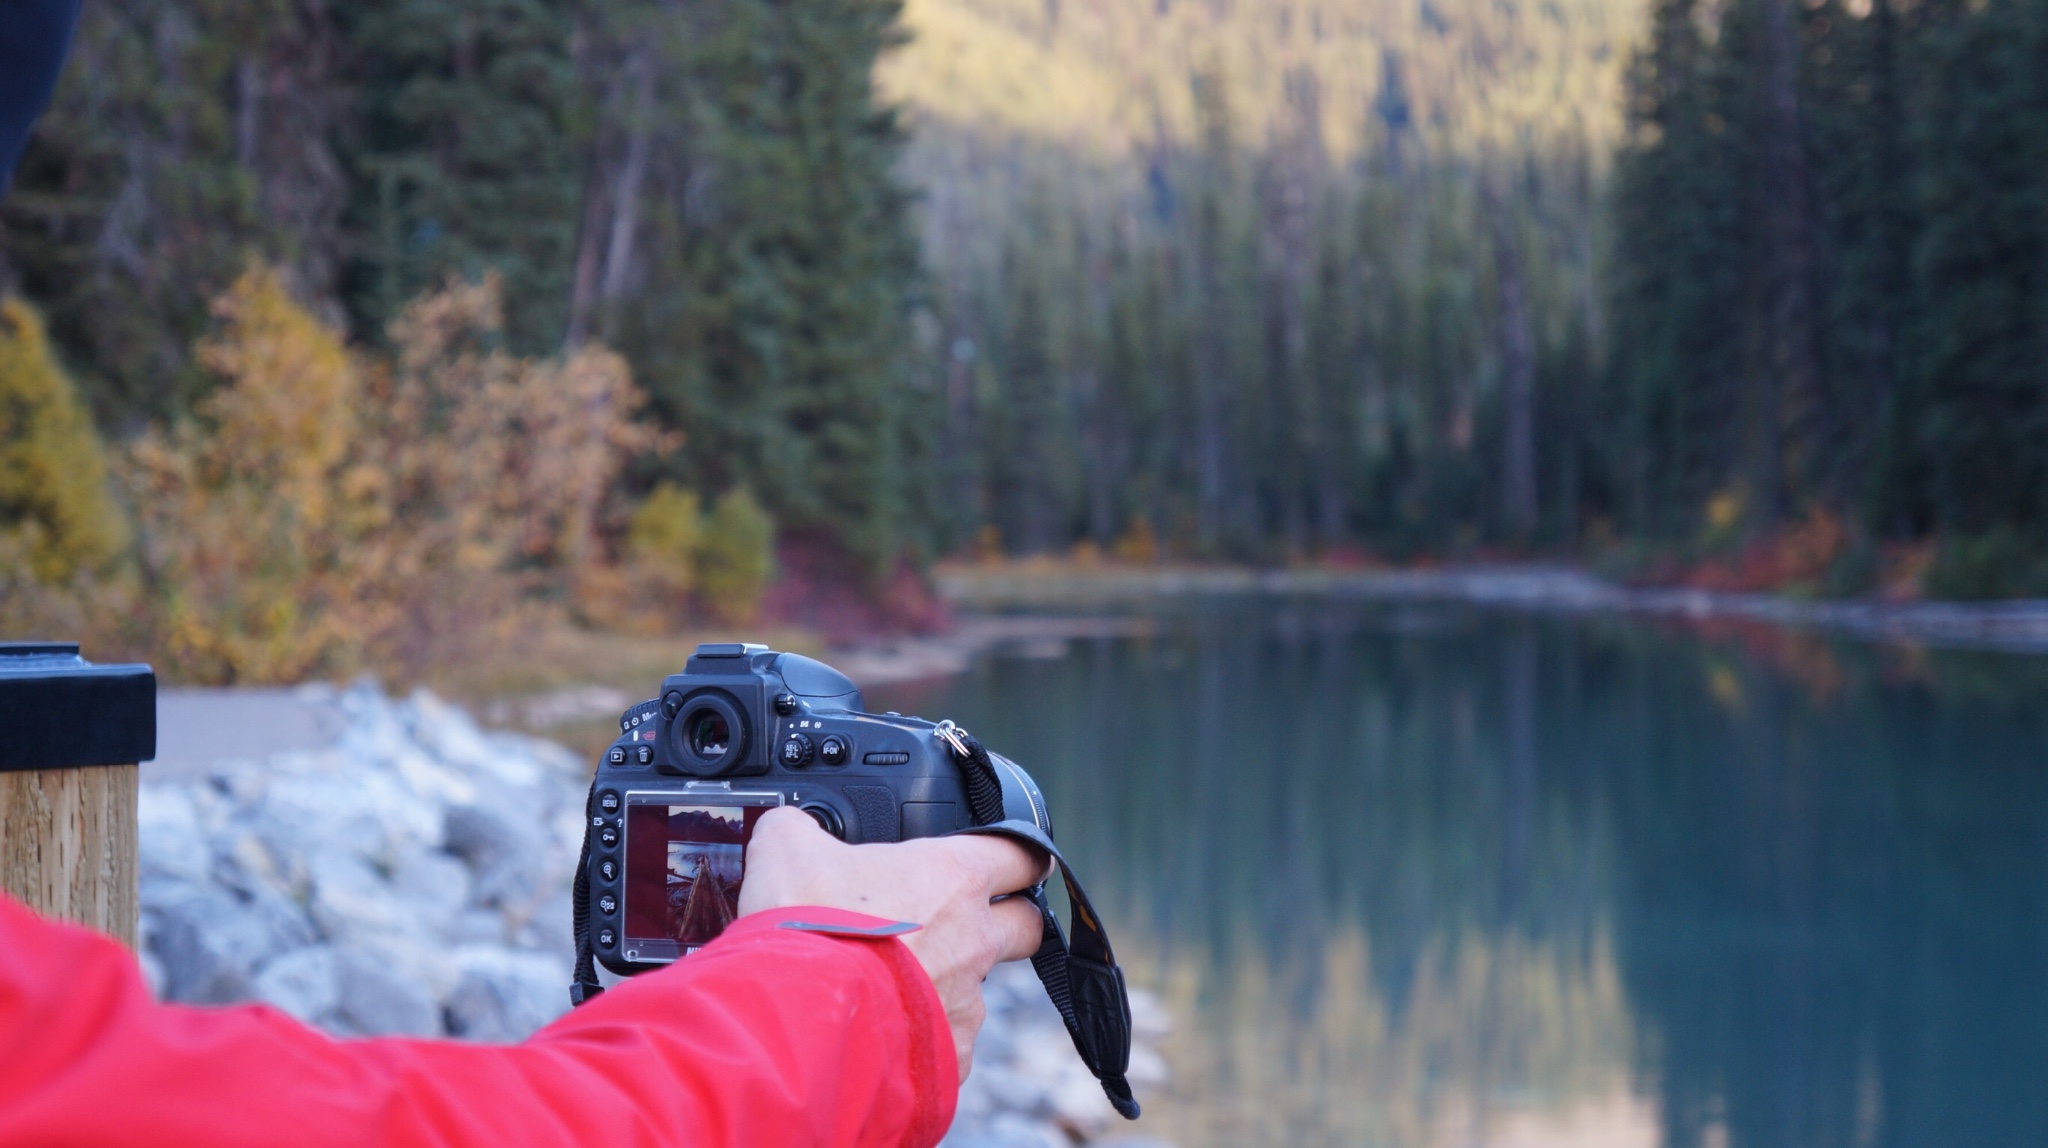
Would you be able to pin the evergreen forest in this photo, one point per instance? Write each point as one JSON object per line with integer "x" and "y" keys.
{"x": 1752, "y": 292}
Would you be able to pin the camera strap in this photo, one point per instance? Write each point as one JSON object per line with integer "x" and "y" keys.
{"x": 584, "y": 986}
{"x": 1082, "y": 977}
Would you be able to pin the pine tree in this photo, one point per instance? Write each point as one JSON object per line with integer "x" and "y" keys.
{"x": 139, "y": 197}
{"x": 773, "y": 327}
{"x": 472, "y": 157}
{"x": 1980, "y": 298}
{"x": 1678, "y": 289}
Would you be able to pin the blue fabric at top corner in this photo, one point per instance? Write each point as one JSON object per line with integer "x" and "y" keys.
{"x": 35, "y": 36}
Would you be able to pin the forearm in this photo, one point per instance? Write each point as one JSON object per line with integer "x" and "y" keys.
{"x": 768, "y": 1037}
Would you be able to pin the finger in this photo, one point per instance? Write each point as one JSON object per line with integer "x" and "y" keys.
{"x": 1004, "y": 865}
{"x": 1021, "y": 927}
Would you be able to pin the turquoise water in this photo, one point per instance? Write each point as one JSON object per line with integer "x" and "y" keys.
{"x": 1421, "y": 875}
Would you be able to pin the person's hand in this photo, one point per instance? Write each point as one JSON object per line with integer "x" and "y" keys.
{"x": 946, "y": 884}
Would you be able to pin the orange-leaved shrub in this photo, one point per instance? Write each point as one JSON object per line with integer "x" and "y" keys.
{"x": 247, "y": 516}
{"x": 325, "y": 512}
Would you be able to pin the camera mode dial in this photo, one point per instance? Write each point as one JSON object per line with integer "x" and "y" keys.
{"x": 796, "y": 751}
{"x": 638, "y": 716}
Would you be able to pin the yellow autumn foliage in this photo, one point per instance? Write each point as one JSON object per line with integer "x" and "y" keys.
{"x": 682, "y": 561}
{"x": 247, "y": 532}
{"x": 735, "y": 557}
{"x": 662, "y": 541}
{"x": 326, "y": 513}
{"x": 56, "y": 516}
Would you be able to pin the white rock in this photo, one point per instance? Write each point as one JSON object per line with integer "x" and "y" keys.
{"x": 351, "y": 900}
{"x": 505, "y": 996}
{"x": 449, "y": 734}
{"x": 173, "y": 843}
{"x": 1147, "y": 1070}
{"x": 547, "y": 927}
{"x": 152, "y": 972}
{"x": 1028, "y": 1085}
{"x": 480, "y": 926}
{"x": 434, "y": 889}
{"x": 249, "y": 864}
{"x": 209, "y": 942}
{"x": 512, "y": 859}
{"x": 1078, "y": 1102}
{"x": 366, "y": 814}
{"x": 375, "y": 998}
{"x": 1007, "y": 1130}
{"x": 1149, "y": 1019}
{"x": 304, "y": 982}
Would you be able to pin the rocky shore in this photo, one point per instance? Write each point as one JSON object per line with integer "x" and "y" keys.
{"x": 2019, "y": 626}
{"x": 374, "y": 866}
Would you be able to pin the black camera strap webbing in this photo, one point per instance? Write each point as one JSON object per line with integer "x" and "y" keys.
{"x": 585, "y": 986}
{"x": 1082, "y": 978}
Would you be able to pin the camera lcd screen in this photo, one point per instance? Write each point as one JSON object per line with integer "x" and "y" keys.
{"x": 685, "y": 862}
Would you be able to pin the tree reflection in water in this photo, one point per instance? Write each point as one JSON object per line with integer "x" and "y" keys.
{"x": 1423, "y": 875}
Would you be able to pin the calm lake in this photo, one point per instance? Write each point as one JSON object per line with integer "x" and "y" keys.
{"x": 1433, "y": 875}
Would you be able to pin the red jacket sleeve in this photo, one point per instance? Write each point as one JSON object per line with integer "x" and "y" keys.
{"x": 767, "y": 1037}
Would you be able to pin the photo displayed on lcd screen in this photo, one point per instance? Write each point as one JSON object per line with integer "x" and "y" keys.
{"x": 684, "y": 870}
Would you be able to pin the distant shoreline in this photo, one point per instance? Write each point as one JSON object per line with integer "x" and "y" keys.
{"x": 1035, "y": 610}
{"x": 2019, "y": 626}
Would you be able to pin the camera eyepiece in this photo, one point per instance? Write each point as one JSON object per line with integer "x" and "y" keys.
{"x": 710, "y": 735}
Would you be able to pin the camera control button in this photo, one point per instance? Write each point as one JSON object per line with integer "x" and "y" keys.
{"x": 796, "y": 751}
{"x": 887, "y": 759}
{"x": 826, "y": 817}
{"x": 834, "y": 750}
{"x": 645, "y": 755}
{"x": 617, "y": 756}
{"x": 608, "y": 837}
{"x": 607, "y": 904}
{"x": 608, "y": 801}
{"x": 608, "y": 869}
{"x": 785, "y": 704}
{"x": 606, "y": 938}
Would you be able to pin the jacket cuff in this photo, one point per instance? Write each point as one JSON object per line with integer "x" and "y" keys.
{"x": 934, "y": 1064}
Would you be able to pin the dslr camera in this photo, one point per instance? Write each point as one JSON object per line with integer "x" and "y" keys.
{"x": 741, "y": 730}
{"x": 744, "y": 729}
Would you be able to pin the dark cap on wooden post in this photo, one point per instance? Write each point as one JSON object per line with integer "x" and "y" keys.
{"x": 71, "y": 735}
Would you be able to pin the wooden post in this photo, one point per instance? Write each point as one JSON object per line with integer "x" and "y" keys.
{"x": 71, "y": 735}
